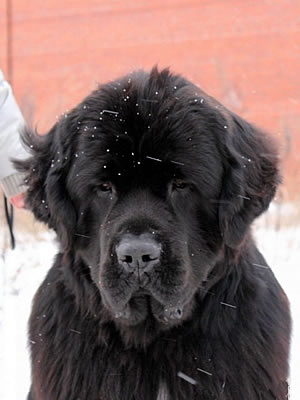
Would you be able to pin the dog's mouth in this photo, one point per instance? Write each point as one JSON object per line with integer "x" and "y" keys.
{"x": 166, "y": 297}
{"x": 142, "y": 305}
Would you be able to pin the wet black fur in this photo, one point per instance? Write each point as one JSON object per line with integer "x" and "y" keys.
{"x": 233, "y": 338}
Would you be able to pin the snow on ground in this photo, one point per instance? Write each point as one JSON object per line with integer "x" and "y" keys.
{"x": 23, "y": 269}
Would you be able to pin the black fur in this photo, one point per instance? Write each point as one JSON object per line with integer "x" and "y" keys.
{"x": 152, "y": 153}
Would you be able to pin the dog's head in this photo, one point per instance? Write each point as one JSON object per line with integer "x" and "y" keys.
{"x": 148, "y": 180}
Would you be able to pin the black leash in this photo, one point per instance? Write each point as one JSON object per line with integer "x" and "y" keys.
{"x": 9, "y": 214}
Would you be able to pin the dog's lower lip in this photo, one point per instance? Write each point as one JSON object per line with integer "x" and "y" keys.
{"x": 141, "y": 292}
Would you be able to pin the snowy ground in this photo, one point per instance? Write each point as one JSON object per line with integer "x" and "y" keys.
{"x": 23, "y": 269}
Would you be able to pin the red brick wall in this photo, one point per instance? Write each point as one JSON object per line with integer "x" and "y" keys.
{"x": 246, "y": 53}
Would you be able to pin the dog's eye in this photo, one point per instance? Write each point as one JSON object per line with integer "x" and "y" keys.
{"x": 179, "y": 184}
{"x": 105, "y": 187}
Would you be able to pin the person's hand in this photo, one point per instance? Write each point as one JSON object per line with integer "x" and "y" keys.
{"x": 18, "y": 200}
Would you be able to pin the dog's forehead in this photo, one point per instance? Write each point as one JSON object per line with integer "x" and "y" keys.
{"x": 147, "y": 126}
{"x": 160, "y": 124}
{"x": 157, "y": 148}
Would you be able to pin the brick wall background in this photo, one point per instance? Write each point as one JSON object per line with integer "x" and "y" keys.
{"x": 246, "y": 53}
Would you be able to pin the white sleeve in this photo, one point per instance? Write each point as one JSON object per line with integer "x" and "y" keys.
{"x": 11, "y": 122}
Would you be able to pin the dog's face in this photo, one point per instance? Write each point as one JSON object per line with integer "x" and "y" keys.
{"x": 148, "y": 181}
{"x": 144, "y": 209}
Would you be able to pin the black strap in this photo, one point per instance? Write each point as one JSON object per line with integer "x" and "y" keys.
{"x": 9, "y": 214}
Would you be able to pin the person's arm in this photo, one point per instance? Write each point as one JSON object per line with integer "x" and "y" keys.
{"x": 11, "y": 122}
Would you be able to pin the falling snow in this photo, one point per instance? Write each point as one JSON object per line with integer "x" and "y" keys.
{"x": 110, "y": 112}
{"x": 187, "y": 378}
{"x": 244, "y": 197}
{"x": 227, "y": 305}
{"x": 176, "y": 162}
{"x": 154, "y": 159}
{"x": 204, "y": 372}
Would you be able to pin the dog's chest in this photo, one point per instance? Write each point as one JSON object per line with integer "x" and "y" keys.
{"x": 163, "y": 393}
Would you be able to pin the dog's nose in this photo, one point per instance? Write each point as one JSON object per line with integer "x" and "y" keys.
{"x": 138, "y": 253}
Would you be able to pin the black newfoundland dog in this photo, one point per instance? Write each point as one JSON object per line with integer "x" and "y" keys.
{"x": 158, "y": 290}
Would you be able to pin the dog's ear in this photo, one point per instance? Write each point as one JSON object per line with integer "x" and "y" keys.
{"x": 46, "y": 172}
{"x": 250, "y": 178}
